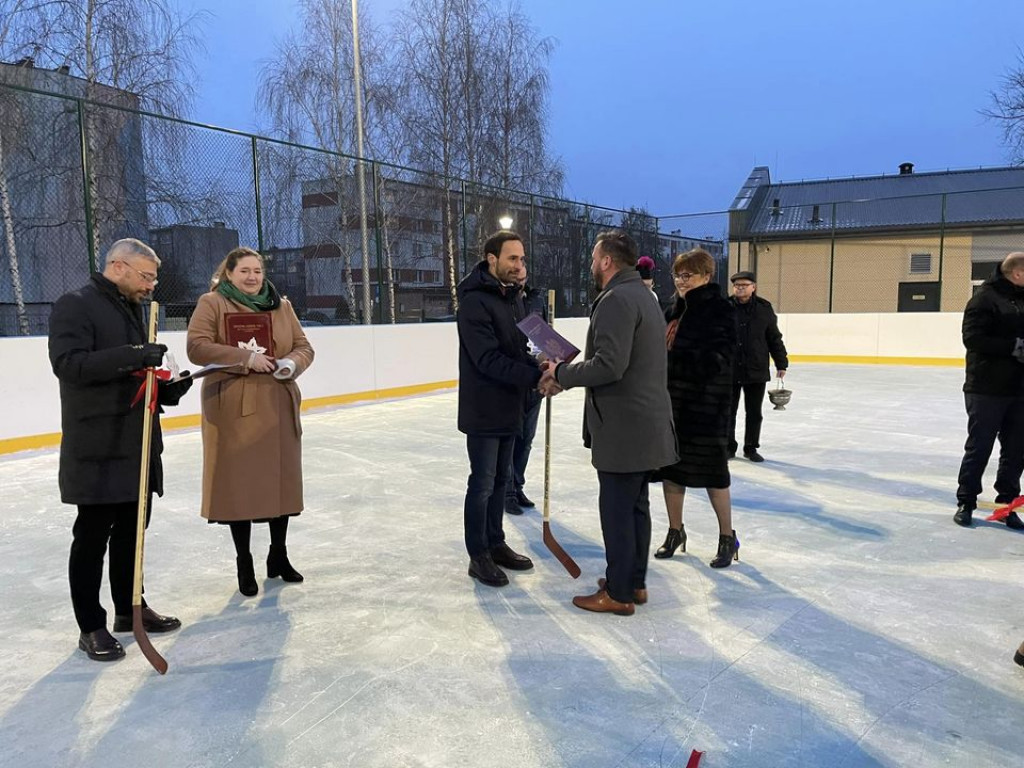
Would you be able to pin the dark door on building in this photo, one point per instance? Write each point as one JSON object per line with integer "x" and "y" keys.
{"x": 918, "y": 297}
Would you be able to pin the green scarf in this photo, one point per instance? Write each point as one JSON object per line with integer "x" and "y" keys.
{"x": 266, "y": 300}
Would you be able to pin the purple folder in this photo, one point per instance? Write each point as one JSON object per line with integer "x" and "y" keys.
{"x": 547, "y": 339}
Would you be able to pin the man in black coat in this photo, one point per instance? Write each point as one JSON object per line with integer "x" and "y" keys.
{"x": 758, "y": 337}
{"x": 993, "y": 333}
{"x": 97, "y": 344}
{"x": 495, "y": 372}
{"x": 532, "y": 301}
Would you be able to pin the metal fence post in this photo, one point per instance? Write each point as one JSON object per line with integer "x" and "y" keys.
{"x": 832, "y": 260}
{"x": 86, "y": 194}
{"x": 256, "y": 191}
{"x": 942, "y": 244}
{"x": 382, "y": 282}
{"x": 465, "y": 229}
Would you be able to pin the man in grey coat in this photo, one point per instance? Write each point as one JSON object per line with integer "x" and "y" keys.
{"x": 627, "y": 421}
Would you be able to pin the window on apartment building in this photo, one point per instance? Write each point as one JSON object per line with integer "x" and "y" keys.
{"x": 920, "y": 263}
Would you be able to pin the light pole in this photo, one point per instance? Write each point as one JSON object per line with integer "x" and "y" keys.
{"x": 364, "y": 231}
{"x": 505, "y": 222}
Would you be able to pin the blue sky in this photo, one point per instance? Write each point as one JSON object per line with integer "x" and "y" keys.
{"x": 669, "y": 104}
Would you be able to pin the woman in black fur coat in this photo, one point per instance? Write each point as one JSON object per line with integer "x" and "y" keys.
{"x": 701, "y": 343}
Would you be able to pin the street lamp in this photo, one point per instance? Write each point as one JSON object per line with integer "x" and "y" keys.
{"x": 505, "y": 222}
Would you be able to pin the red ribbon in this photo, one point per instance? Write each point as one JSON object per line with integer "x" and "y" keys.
{"x": 694, "y": 760}
{"x": 1002, "y": 513}
{"x": 162, "y": 374}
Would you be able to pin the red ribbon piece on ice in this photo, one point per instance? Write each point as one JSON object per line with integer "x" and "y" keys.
{"x": 1004, "y": 512}
{"x": 162, "y": 374}
{"x": 694, "y": 760}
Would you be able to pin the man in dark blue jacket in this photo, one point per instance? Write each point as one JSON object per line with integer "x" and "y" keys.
{"x": 495, "y": 372}
{"x": 98, "y": 342}
{"x": 993, "y": 333}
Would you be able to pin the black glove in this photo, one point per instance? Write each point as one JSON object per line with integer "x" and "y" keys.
{"x": 153, "y": 355}
{"x": 171, "y": 392}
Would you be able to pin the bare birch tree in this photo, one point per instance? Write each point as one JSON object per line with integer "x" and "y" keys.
{"x": 1008, "y": 109}
{"x": 307, "y": 92}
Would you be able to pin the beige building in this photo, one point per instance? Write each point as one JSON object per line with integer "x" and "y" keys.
{"x": 906, "y": 242}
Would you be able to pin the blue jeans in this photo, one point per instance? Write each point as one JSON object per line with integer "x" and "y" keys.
{"x": 489, "y": 462}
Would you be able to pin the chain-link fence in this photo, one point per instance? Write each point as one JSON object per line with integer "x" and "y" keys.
{"x": 77, "y": 174}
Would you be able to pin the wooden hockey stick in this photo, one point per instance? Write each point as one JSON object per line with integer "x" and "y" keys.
{"x": 152, "y": 655}
{"x": 549, "y": 538}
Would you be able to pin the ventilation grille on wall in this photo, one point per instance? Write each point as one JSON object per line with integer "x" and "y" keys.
{"x": 920, "y": 263}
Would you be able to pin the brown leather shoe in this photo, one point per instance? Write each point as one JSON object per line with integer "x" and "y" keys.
{"x": 639, "y": 595}
{"x": 600, "y": 602}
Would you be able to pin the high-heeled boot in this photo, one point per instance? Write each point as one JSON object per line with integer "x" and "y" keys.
{"x": 246, "y": 575}
{"x": 278, "y": 565}
{"x": 674, "y": 539}
{"x": 728, "y": 550}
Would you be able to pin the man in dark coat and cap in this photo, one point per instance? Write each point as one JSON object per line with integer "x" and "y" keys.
{"x": 98, "y": 343}
{"x": 757, "y": 338}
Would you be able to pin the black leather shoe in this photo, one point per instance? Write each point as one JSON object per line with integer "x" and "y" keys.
{"x": 523, "y": 500}
{"x": 753, "y": 455}
{"x": 100, "y": 645}
{"x": 963, "y": 515}
{"x": 483, "y": 569}
{"x": 1012, "y": 521}
{"x": 504, "y": 556}
{"x": 512, "y": 506}
{"x": 152, "y": 622}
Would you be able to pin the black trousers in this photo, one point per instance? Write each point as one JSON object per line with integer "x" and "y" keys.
{"x": 989, "y": 417}
{"x": 626, "y": 526}
{"x": 96, "y": 525}
{"x": 753, "y": 397}
{"x": 521, "y": 448}
{"x": 490, "y": 460}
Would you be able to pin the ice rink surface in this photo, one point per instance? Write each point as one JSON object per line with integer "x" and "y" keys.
{"x": 861, "y": 628}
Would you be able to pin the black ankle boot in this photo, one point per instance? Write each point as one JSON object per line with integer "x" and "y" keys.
{"x": 673, "y": 540}
{"x": 278, "y": 565}
{"x": 246, "y": 575}
{"x": 728, "y": 550}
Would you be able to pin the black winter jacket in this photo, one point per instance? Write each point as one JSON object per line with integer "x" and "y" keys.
{"x": 993, "y": 321}
{"x": 95, "y": 345}
{"x": 757, "y": 337}
{"x": 495, "y": 370}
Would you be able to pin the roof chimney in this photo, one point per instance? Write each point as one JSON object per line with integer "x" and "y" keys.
{"x": 815, "y": 214}
{"x": 906, "y": 169}
{"x": 776, "y": 210}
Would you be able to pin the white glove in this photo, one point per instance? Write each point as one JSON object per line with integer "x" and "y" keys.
{"x": 285, "y": 368}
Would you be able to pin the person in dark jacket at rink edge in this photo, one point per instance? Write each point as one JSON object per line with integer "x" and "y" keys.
{"x": 98, "y": 342}
{"x": 757, "y": 338}
{"x": 993, "y": 333}
{"x": 495, "y": 372}
{"x": 532, "y": 301}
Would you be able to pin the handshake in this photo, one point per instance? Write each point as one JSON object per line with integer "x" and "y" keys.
{"x": 548, "y": 385}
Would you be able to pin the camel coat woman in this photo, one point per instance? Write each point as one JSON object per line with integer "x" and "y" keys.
{"x": 252, "y": 452}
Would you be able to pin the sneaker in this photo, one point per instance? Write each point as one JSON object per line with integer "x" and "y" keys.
{"x": 753, "y": 455}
